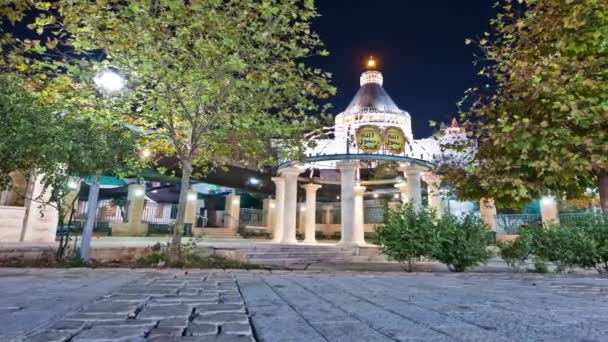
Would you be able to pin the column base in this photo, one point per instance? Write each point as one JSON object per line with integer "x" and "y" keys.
{"x": 351, "y": 244}
{"x": 309, "y": 241}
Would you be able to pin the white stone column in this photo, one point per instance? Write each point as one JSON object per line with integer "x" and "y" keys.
{"x": 268, "y": 206}
{"x": 291, "y": 203}
{"x": 279, "y": 210}
{"x": 413, "y": 174}
{"x": 487, "y": 212}
{"x": 549, "y": 212}
{"x": 347, "y": 200}
{"x": 310, "y": 214}
{"x": 402, "y": 186}
{"x": 359, "y": 235}
{"x": 432, "y": 185}
{"x": 232, "y": 212}
{"x": 39, "y": 222}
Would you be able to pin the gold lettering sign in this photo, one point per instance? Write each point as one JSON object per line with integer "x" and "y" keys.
{"x": 369, "y": 139}
{"x": 394, "y": 140}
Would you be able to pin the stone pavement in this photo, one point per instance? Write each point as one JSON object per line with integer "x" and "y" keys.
{"x": 201, "y": 305}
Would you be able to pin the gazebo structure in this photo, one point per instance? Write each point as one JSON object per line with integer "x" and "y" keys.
{"x": 372, "y": 130}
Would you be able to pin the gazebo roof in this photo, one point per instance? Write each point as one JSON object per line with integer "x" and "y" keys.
{"x": 372, "y": 97}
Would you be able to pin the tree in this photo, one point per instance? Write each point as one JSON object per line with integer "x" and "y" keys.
{"x": 211, "y": 79}
{"x": 39, "y": 141}
{"x": 406, "y": 234}
{"x": 541, "y": 119}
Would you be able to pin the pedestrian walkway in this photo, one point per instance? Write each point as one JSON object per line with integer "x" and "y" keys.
{"x": 207, "y": 305}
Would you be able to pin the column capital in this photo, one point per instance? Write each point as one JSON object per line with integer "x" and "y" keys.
{"x": 347, "y": 164}
{"x": 402, "y": 186}
{"x": 294, "y": 169}
{"x": 487, "y": 202}
{"x": 311, "y": 187}
{"x": 278, "y": 180}
{"x": 431, "y": 178}
{"x": 412, "y": 168}
{"x": 359, "y": 190}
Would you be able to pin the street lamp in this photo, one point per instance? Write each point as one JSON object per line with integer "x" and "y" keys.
{"x": 109, "y": 81}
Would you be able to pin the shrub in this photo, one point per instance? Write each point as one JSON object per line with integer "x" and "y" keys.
{"x": 588, "y": 243}
{"x": 406, "y": 234}
{"x": 461, "y": 243}
{"x": 583, "y": 243}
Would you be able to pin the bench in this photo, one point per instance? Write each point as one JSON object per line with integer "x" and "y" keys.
{"x": 167, "y": 229}
{"x": 103, "y": 227}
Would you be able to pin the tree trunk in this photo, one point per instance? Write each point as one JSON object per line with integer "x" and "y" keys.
{"x": 603, "y": 186}
{"x": 178, "y": 228}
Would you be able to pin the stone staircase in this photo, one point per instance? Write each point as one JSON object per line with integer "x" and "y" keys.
{"x": 292, "y": 255}
{"x": 220, "y": 233}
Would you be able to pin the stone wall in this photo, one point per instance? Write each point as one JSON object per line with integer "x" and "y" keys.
{"x": 11, "y": 221}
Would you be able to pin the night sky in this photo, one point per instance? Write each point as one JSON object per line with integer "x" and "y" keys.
{"x": 419, "y": 46}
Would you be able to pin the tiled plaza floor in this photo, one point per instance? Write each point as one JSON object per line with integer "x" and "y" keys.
{"x": 174, "y": 305}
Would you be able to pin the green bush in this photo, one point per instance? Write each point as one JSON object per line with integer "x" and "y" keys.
{"x": 406, "y": 234}
{"x": 461, "y": 243}
{"x": 583, "y": 243}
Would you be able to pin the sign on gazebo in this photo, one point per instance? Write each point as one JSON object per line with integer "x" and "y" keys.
{"x": 369, "y": 139}
{"x": 394, "y": 140}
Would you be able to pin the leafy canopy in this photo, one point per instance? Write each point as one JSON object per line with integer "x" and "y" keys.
{"x": 541, "y": 119}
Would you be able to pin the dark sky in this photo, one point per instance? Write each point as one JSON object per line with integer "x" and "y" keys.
{"x": 419, "y": 46}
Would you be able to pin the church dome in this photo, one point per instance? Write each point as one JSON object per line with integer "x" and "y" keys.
{"x": 372, "y": 97}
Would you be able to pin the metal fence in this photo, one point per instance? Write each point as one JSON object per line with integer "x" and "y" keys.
{"x": 159, "y": 213}
{"x": 319, "y": 215}
{"x": 573, "y": 218}
{"x": 510, "y": 223}
{"x": 107, "y": 211}
{"x": 251, "y": 217}
{"x": 336, "y": 217}
{"x": 373, "y": 215}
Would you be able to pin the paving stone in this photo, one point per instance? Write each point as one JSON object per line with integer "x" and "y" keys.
{"x": 103, "y": 334}
{"x": 166, "y": 332}
{"x": 83, "y": 316}
{"x": 236, "y": 328}
{"x": 202, "y": 329}
{"x": 165, "y": 311}
{"x": 128, "y": 297}
{"x": 67, "y": 324}
{"x": 173, "y": 323}
{"x": 207, "y": 308}
{"x": 50, "y": 336}
{"x": 111, "y": 307}
{"x": 126, "y": 323}
{"x": 176, "y": 339}
{"x": 222, "y": 317}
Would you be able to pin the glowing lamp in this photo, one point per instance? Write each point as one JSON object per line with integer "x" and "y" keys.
{"x": 192, "y": 196}
{"x": 109, "y": 81}
{"x": 371, "y": 63}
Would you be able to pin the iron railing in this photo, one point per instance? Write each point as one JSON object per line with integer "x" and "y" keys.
{"x": 107, "y": 211}
{"x": 159, "y": 213}
{"x": 251, "y": 217}
{"x": 509, "y": 223}
{"x": 373, "y": 215}
{"x": 574, "y": 218}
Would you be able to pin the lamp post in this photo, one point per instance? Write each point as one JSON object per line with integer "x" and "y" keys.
{"x": 107, "y": 81}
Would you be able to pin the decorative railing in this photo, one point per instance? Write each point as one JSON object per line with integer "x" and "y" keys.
{"x": 107, "y": 211}
{"x": 373, "y": 215}
{"x": 159, "y": 213}
{"x": 510, "y": 223}
{"x": 319, "y": 216}
{"x": 251, "y": 217}
{"x": 336, "y": 215}
{"x": 573, "y": 218}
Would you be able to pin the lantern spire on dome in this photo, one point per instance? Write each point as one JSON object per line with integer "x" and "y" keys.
{"x": 371, "y": 63}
